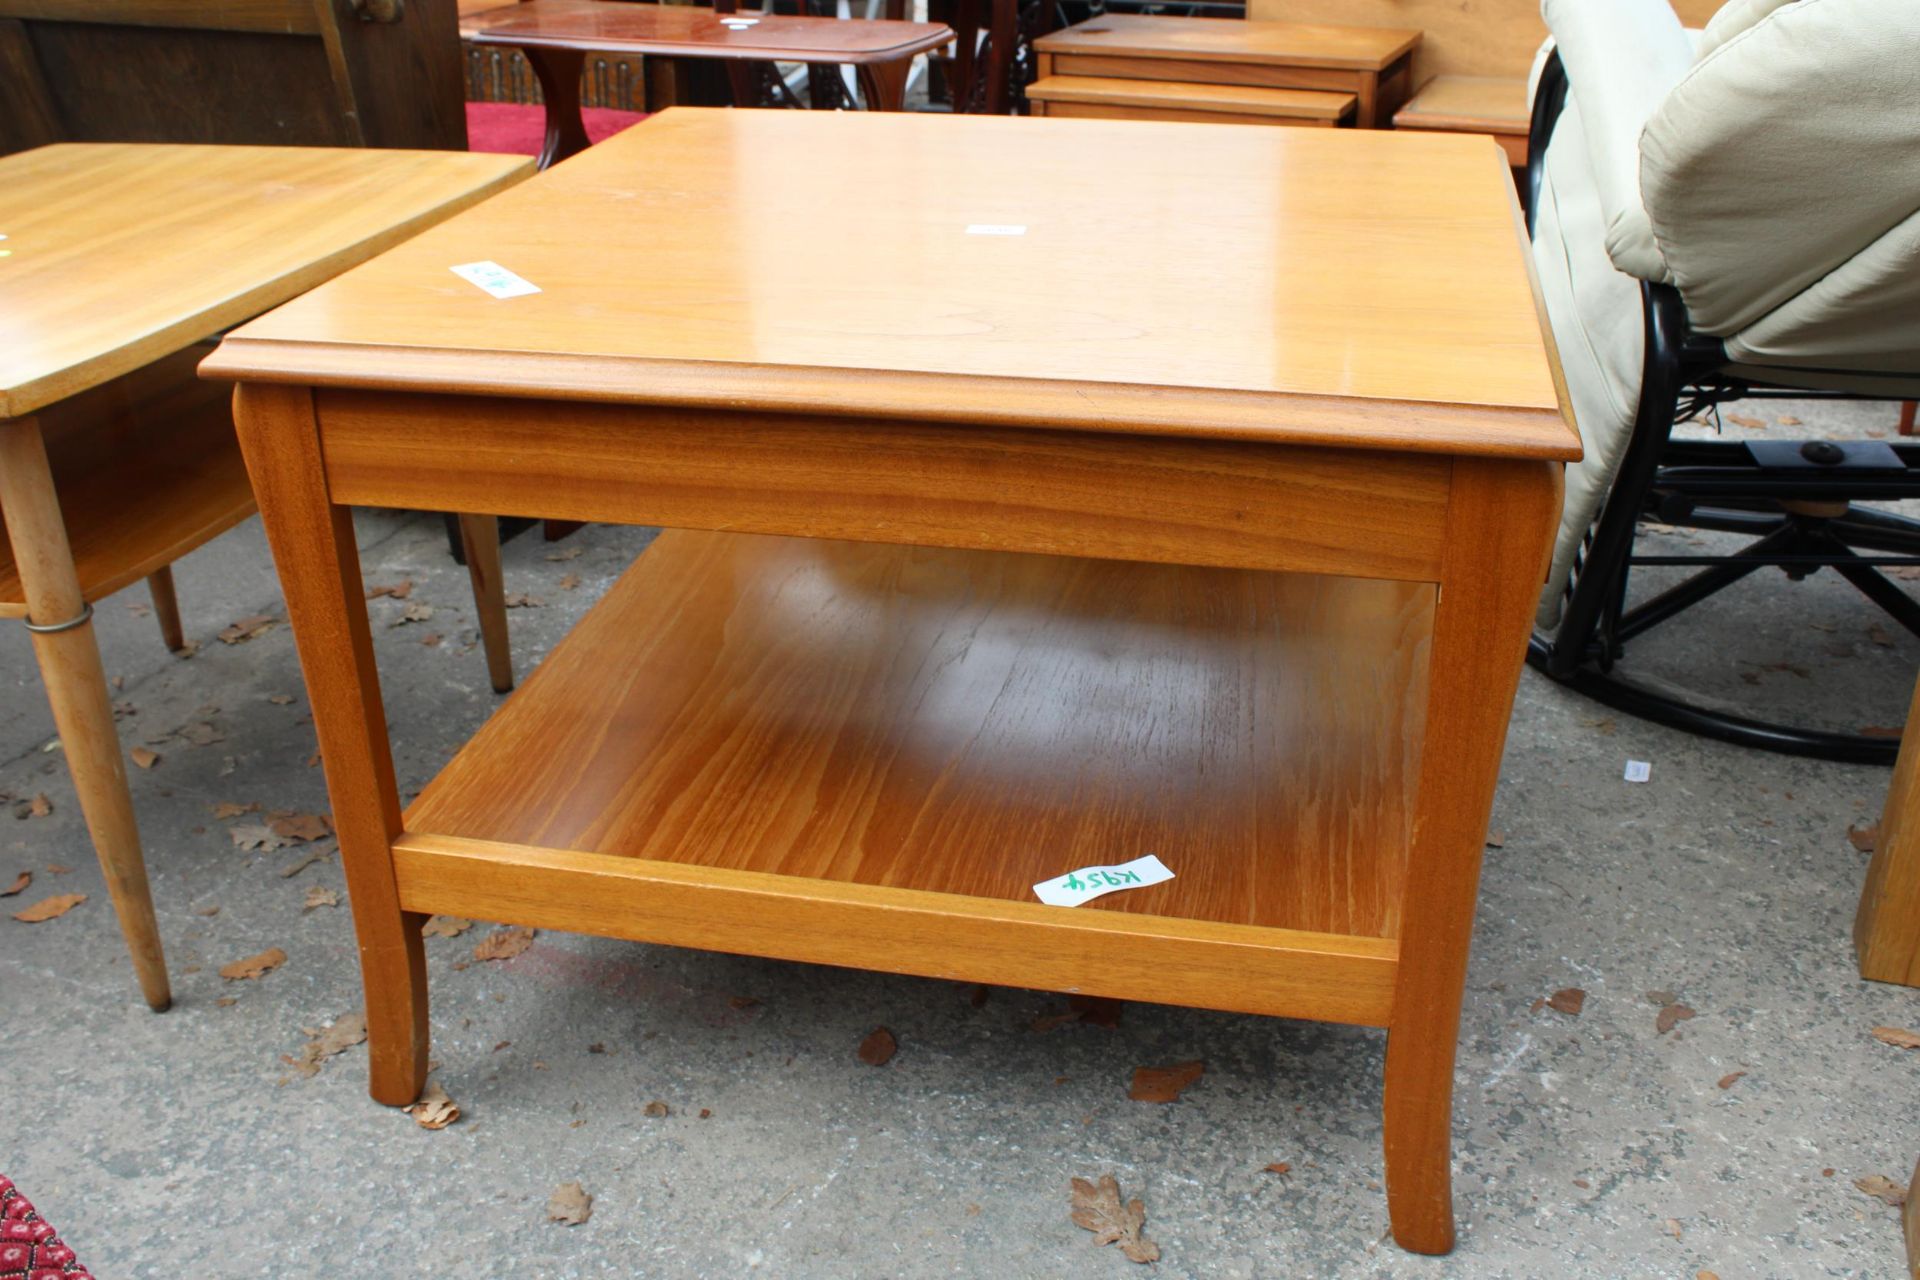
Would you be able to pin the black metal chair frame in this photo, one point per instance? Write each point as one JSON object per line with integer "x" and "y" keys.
{"x": 1796, "y": 501}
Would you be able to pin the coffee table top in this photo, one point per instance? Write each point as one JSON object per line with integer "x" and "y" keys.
{"x": 1361, "y": 288}
{"x": 663, "y": 29}
{"x": 1294, "y": 44}
{"x": 119, "y": 253}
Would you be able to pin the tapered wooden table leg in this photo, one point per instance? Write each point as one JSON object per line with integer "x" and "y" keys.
{"x": 884, "y": 84}
{"x": 69, "y": 658}
{"x": 1499, "y": 519}
{"x": 480, "y": 542}
{"x": 166, "y": 608}
{"x": 1886, "y": 931}
{"x": 319, "y": 568}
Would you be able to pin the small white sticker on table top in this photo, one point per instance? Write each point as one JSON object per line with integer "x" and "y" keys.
{"x": 996, "y": 229}
{"x": 1088, "y": 883}
{"x": 1638, "y": 771}
{"x": 495, "y": 279}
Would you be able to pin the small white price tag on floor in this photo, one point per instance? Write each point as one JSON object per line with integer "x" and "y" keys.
{"x": 1638, "y": 771}
{"x": 1088, "y": 883}
{"x": 495, "y": 279}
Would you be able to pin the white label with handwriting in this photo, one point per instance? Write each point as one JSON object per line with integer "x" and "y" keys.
{"x": 1088, "y": 883}
{"x": 495, "y": 279}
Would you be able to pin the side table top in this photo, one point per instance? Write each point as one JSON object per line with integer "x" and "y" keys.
{"x": 1294, "y": 44}
{"x": 119, "y": 253}
{"x": 1366, "y": 289}
{"x": 687, "y": 30}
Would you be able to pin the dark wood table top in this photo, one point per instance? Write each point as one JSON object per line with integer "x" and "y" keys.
{"x": 689, "y": 31}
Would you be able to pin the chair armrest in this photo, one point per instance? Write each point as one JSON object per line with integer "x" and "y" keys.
{"x": 1622, "y": 59}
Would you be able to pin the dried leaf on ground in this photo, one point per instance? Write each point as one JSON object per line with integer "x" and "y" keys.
{"x": 348, "y": 1029}
{"x": 228, "y": 809}
{"x": 38, "y": 807}
{"x": 432, "y": 639}
{"x": 255, "y": 835}
{"x": 1787, "y": 420}
{"x": 504, "y": 944}
{"x": 1671, "y": 1016}
{"x": 656, "y": 1109}
{"x": 1568, "y": 1000}
{"x": 1097, "y": 1207}
{"x": 311, "y": 856}
{"x": 254, "y": 966}
{"x": 280, "y": 699}
{"x": 301, "y": 826}
{"x": 200, "y": 734}
{"x": 435, "y": 1110}
{"x": 1883, "y": 1188}
{"x": 144, "y": 758}
{"x": 516, "y": 600}
{"x": 1094, "y": 1011}
{"x": 445, "y": 927}
{"x": 569, "y": 582}
{"x": 55, "y": 869}
{"x": 1661, "y": 997}
{"x": 1496, "y": 839}
{"x": 49, "y": 908}
{"x": 1898, "y": 1037}
{"x": 415, "y": 612}
{"x": 1164, "y": 1084}
{"x": 878, "y": 1048}
{"x": 1730, "y": 1079}
{"x": 320, "y": 896}
{"x": 20, "y": 882}
{"x": 1741, "y": 420}
{"x": 570, "y": 1204}
{"x": 570, "y": 553}
{"x": 1281, "y": 1167}
{"x": 246, "y": 629}
{"x": 1864, "y": 838}
{"x": 397, "y": 590}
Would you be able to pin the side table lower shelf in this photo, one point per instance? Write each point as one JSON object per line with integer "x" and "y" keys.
{"x": 865, "y": 755}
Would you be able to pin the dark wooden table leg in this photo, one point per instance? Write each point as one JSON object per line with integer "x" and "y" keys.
{"x": 884, "y": 84}
{"x": 559, "y": 74}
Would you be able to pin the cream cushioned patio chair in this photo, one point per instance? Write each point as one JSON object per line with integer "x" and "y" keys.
{"x": 1718, "y": 215}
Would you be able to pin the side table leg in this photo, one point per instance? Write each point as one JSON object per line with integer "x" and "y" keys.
{"x": 166, "y": 608}
{"x": 884, "y": 84}
{"x": 558, "y": 71}
{"x": 480, "y": 541}
{"x": 1886, "y": 932}
{"x": 77, "y": 689}
{"x": 319, "y": 567}
{"x": 1499, "y": 519}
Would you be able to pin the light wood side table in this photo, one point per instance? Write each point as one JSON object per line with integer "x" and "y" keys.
{"x": 995, "y": 550}
{"x": 120, "y": 260}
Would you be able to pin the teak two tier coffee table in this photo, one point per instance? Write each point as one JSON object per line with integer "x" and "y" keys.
{"x": 1025, "y": 538}
{"x": 118, "y": 263}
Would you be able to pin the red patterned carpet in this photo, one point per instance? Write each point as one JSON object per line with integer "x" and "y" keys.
{"x": 30, "y": 1249}
{"x": 507, "y": 128}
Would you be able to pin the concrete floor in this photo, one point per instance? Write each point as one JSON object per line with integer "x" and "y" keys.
{"x": 178, "y": 1145}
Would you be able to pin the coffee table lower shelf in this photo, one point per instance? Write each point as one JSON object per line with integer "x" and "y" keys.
{"x": 865, "y": 755}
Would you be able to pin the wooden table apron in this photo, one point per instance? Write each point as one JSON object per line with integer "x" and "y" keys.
{"x": 1476, "y": 527}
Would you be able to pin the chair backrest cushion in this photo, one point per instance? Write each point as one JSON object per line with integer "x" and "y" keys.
{"x": 1732, "y": 18}
{"x": 1781, "y": 178}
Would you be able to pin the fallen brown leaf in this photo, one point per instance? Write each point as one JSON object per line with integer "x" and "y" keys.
{"x": 1661, "y": 997}
{"x": 1741, "y": 420}
{"x": 1568, "y": 1000}
{"x": 301, "y": 826}
{"x": 39, "y": 806}
{"x": 280, "y": 699}
{"x": 1883, "y": 1188}
{"x": 348, "y": 1029}
{"x": 1281, "y": 1167}
{"x": 1671, "y": 1016}
{"x": 570, "y": 1204}
{"x": 878, "y": 1048}
{"x": 504, "y": 944}
{"x": 1164, "y": 1084}
{"x": 569, "y": 582}
{"x": 434, "y": 1110}
{"x": 246, "y": 629}
{"x": 1898, "y": 1037}
{"x": 656, "y": 1109}
{"x": 445, "y": 927}
{"x": 144, "y": 758}
{"x": 255, "y": 835}
{"x": 1730, "y": 1079}
{"x": 1787, "y": 420}
{"x": 1864, "y": 838}
{"x": 306, "y": 860}
{"x": 49, "y": 908}
{"x": 1098, "y": 1208}
{"x": 1496, "y": 839}
{"x": 517, "y": 600}
{"x": 398, "y": 590}
{"x": 228, "y": 809}
{"x": 570, "y": 553}
{"x": 254, "y": 966}
{"x": 319, "y": 896}
{"x": 55, "y": 869}
{"x": 20, "y": 882}
{"x": 432, "y": 639}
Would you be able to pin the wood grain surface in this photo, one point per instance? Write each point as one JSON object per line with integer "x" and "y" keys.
{"x": 684, "y": 30}
{"x": 1294, "y": 44}
{"x": 1160, "y": 278}
{"x": 972, "y": 724}
{"x": 1284, "y": 104}
{"x": 120, "y": 253}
